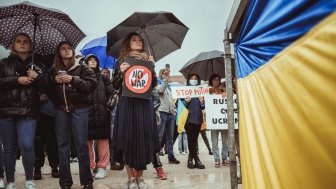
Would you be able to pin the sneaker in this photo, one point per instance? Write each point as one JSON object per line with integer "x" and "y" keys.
{"x": 173, "y": 160}
{"x": 37, "y": 174}
{"x": 217, "y": 164}
{"x": 2, "y": 184}
{"x": 160, "y": 173}
{"x": 132, "y": 183}
{"x": 101, "y": 173}
{"x": 54, "y": 173}
{"x": 30, "y": 185}
{"x": 11, "y": 185}
{"x": 142, "y": 184}
{"x": 161, "y": 153}
{"x": 184, "y": 153}
{"x": 178, "y": 153}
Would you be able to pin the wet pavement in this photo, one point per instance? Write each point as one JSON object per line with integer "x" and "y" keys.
{"x": 179, "y": 176}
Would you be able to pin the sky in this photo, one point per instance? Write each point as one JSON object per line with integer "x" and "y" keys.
{"x": 206, "y": 21}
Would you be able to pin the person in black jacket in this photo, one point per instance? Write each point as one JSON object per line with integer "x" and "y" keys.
{"x": 70, "y": 85}
{"x": 19, "y": 99}
{"x": 99, "y": 119}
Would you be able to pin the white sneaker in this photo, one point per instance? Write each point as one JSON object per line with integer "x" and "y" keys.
{"x": 142, "y": 184}
{"x": 2, "y": 184}
{"x": 184, "y": 153}
{"x": 178, "y": 153}
{"x": 30, "y": 185}
{"x": 11, "y": 185}
{"x": 132, "y": 184}
{"x": 101, "y": 173}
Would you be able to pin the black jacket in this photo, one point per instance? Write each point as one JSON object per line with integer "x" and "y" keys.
{"x": 17, "y": 99}
{"x": 99, "y": 116}
{"x": 76, "y": 93}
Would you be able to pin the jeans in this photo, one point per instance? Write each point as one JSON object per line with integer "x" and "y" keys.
{"x": 14, "y": 130}
{"x": 214, "y": 141}
{"x": 183, "y": 142}
{"x": 77, "y": 121}
{"x": 167, "y": 125}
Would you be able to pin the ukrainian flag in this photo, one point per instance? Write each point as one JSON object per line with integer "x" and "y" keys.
{"x": 286, "y": 67}
{"x": 181, "y": 115}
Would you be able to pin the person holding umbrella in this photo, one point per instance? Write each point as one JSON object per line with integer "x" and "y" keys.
{"x": 134, "y": 136}
{"x": 19, "y": 99}
{"x": 70, "y": 85}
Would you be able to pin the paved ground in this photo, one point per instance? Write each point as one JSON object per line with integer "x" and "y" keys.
{"x": 179, "y": 176}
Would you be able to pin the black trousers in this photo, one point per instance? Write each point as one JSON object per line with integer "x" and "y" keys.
{"x": 45, "y": 141}
{"x": 192, "y": 131}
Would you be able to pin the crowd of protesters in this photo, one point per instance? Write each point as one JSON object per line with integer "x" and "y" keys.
{"x": 59, "y": 109}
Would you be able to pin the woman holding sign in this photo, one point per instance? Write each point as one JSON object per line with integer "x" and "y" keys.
{"x": 134, "y": 133}
{"x": 193, "y": 124}
{"x": 214, "y": 82}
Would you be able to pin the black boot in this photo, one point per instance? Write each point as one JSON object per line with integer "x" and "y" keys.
{"x": 198, "y": 163}
{"x": 37, "y": 173}
{"x": 190, "y": 164}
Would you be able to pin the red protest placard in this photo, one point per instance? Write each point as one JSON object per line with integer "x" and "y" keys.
{"x": 138, "y": 78}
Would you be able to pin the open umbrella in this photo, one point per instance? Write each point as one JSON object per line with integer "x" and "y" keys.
{"x": 47, "y": 27}
{"x": 162, "y": 32}
{"x": 98, "y": 48}
{"x": 205, "y": 64}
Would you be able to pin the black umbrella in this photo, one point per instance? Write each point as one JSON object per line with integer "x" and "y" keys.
{"x": 47, "y": 27}
{"x": 162, "y": 32}
{"x": 205, "y": 64}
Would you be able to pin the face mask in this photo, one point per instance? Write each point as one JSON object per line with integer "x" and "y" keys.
{"x": 193, "y": 82}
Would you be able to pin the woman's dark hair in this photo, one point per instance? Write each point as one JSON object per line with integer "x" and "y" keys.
{"x": 198, "y": 79}
{"x": 58, "y": 62}
{"x": 126, "y": 45}
{"x": 212, "y": 77}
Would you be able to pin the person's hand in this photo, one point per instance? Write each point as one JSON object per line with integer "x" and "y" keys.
{"x": 63, "y": 78}
{"x": 32, "y": 74}
{"x": 224, "y": 95}
{"x": 58, "y": 79}
{"x": 151, "y": 58}
{"x": 66, "y": 78}
{"x": 124, "y": 67}
{"x": 24, "y": 80}
{"x": 201, "y": 99}
{"x": 188, "y": 99}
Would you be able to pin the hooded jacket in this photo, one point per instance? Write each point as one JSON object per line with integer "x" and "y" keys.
{"x": 17, "y": 99}
{"x": 99, "y": 116}
{"x": 76, "y": 93}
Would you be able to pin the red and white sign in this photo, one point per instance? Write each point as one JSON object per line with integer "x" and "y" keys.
{"x": 138, "y": 79}
{"x": 189, "y": 91}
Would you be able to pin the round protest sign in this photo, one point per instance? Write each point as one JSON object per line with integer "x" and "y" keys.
{"x": 138, "y": 79}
